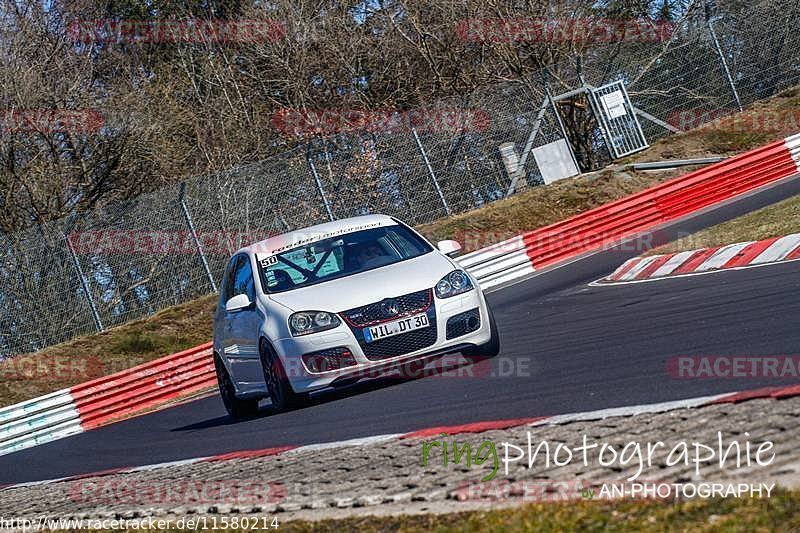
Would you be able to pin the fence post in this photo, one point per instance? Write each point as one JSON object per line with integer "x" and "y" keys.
{"x": 318, "y": 182}
{"x": 188, "y": 218}
{"x": 430, "y": 170}
{"x": 98, "y": 324}
{"x": 722, "y": 60}
{"x": 523, "y": 159}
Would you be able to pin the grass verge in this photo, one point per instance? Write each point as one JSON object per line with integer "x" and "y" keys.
{"x": 536, "y": 207}
{"x": 188, "y": 325}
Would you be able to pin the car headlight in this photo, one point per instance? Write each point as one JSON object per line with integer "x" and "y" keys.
{"x": 456, "y": 282}
{"x": 307, "y": 322}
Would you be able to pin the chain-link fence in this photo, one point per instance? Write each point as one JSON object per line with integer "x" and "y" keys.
{"x": 74, "y": 277}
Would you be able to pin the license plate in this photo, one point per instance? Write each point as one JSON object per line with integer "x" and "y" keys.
{"x": 396, "y": 327}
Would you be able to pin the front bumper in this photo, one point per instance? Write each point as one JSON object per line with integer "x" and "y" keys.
{"x": 290, "y": 350}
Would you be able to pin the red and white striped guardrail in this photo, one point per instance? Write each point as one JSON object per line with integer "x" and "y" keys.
{"x": 612, "y": 223}
{"x": 732, "y": 256}
{"x": 99, "y": 402}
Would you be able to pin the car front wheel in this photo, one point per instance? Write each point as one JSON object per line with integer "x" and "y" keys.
{"x": 280, "y": 390}
{"x": 237, "y": 408}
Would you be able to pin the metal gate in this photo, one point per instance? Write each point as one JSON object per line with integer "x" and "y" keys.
{"x": 617, "y": 119}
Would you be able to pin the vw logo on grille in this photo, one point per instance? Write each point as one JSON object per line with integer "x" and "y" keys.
{"x": 390, "y": 307}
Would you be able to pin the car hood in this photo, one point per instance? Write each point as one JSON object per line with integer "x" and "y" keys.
{"x": 371, "y": 286}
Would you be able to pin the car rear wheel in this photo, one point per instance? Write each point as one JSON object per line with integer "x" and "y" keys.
{"x": 237, "y": 408}
{"x": 488, "y": 349}
{"x": 280, "y": 390}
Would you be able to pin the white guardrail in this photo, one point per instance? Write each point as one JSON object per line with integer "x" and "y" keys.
{"x": 499, "y": 263}
{"x": 37, "y": 421}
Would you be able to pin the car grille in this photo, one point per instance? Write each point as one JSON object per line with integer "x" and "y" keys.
{"x": 463, "y": 323}
{"x": 372, "y": 314}
{"x": 400, "y": 344}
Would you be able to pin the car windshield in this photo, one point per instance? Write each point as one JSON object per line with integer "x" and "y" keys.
{"x": 340, "y": 256}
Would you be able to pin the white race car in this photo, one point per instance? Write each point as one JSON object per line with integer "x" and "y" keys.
{"x": 333, "y": 303}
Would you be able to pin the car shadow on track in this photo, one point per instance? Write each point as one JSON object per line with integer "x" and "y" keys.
{"x": 451, "y": 367}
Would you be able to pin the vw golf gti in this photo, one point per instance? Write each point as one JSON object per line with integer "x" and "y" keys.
{"x": 331, "y": 304}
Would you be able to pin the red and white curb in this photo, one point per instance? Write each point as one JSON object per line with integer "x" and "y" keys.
{"x": 731, "y": 257}
{"x": 473, "y": 427}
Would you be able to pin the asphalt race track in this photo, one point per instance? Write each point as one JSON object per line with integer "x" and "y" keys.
{"x": 567, "y": 347}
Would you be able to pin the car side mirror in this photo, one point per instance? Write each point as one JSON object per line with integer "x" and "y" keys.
{"x": 238, "y": 303}
{"x": 449, "y": 248}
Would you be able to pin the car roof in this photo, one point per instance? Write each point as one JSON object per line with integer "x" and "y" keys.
{"x": 293, "y": 239}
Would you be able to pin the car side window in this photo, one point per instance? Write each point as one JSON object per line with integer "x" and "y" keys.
{"x": 242, "y": 282}
{"x": 226, "y": 291}
{"x": 407, "y": 247}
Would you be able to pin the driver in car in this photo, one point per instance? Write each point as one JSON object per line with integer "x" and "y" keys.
{"x": 371, "y": 255}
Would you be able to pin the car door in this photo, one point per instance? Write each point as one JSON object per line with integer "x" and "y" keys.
{"x": 222, "y": 325}
{"x": 245, "y": 324}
